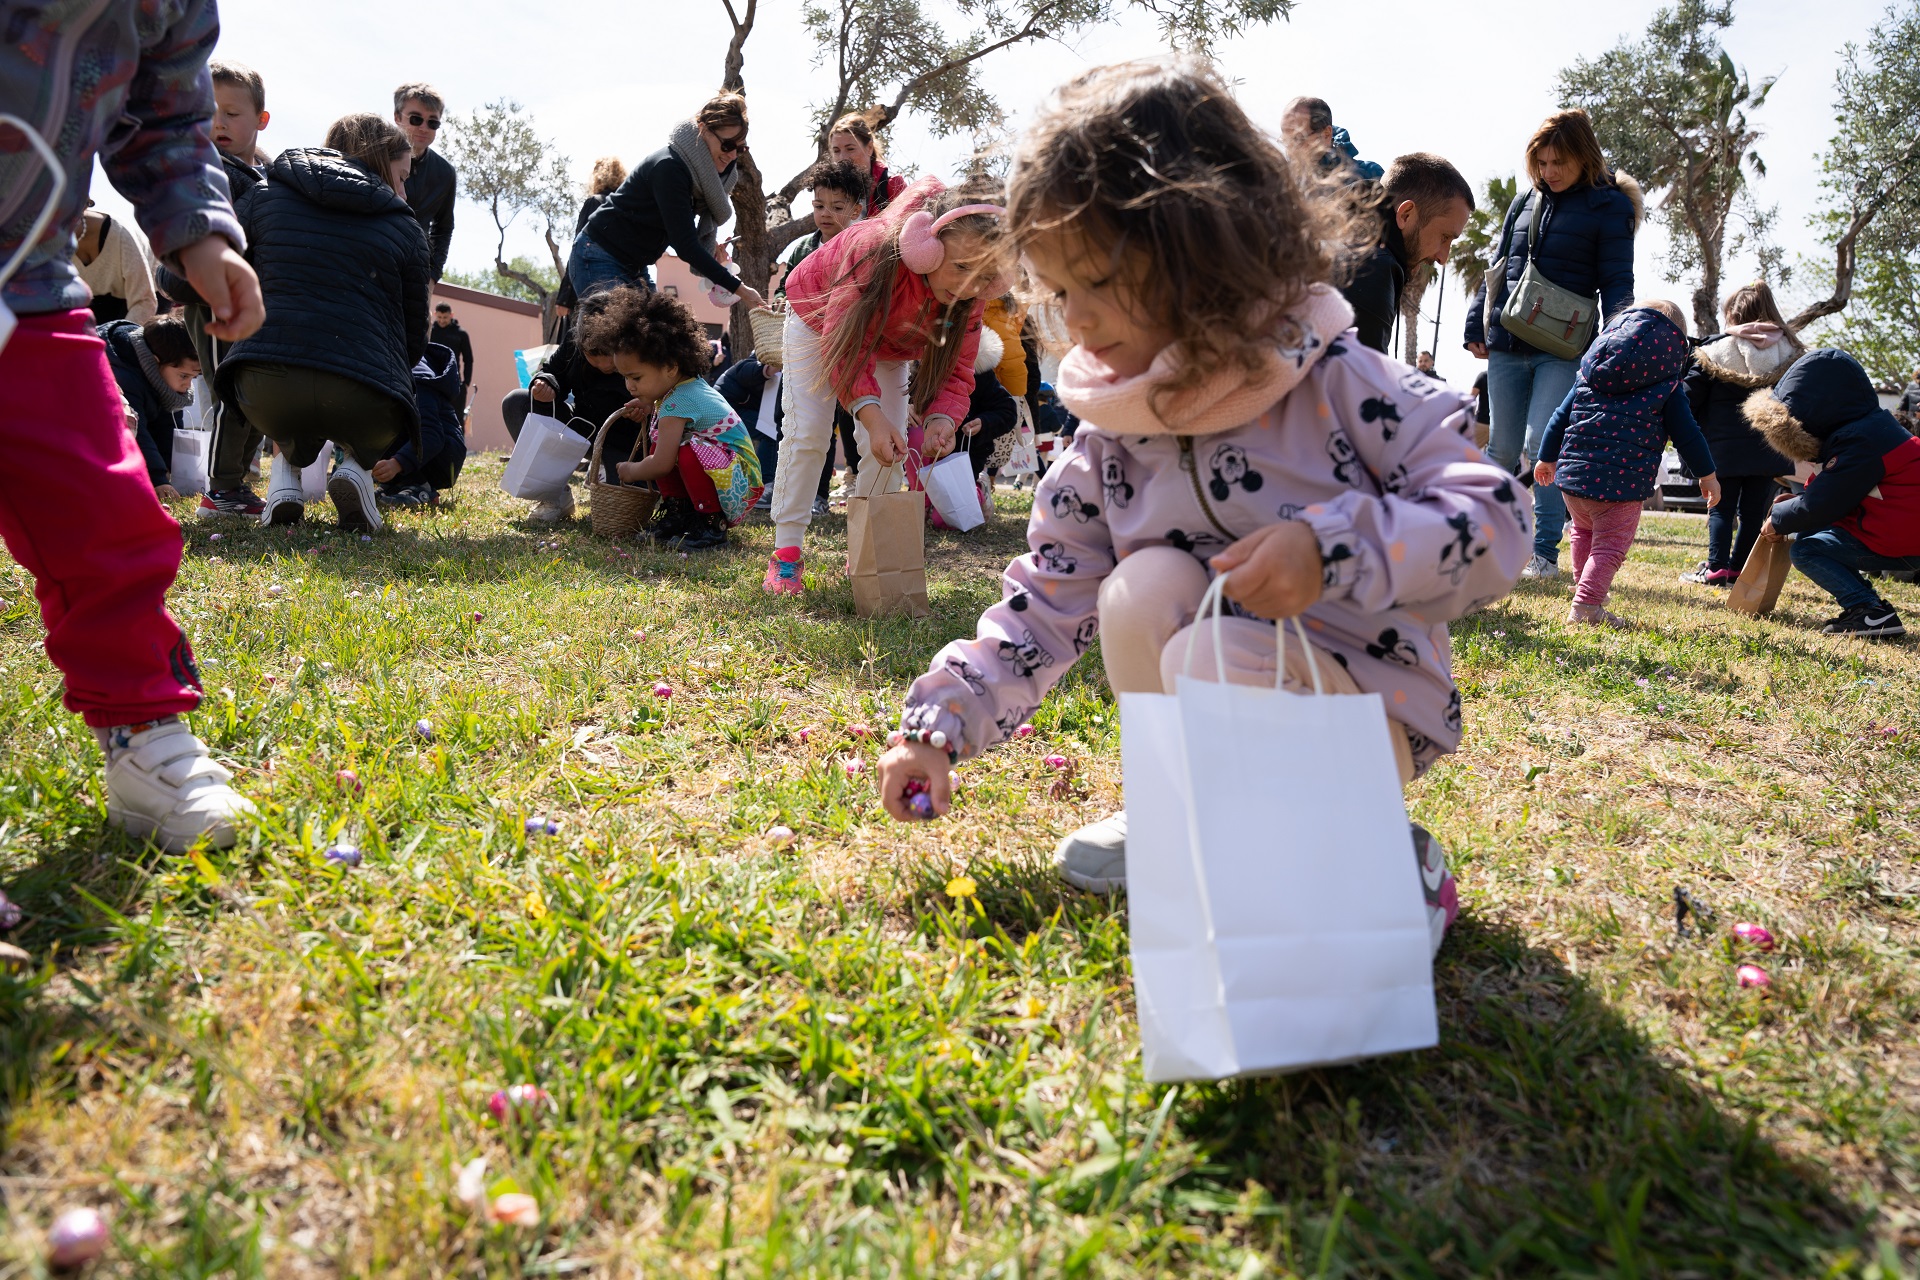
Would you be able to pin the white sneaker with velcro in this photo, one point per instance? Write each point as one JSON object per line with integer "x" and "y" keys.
{"x": 165, "y": 785}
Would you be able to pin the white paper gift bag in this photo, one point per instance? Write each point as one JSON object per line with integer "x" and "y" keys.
{"x": 543, "y": 459}
{"x": 954, "y": 492}
{"x": 1275, "y": 902}
{"x": 191, "y": 448}
{"x": 313, "y": 476}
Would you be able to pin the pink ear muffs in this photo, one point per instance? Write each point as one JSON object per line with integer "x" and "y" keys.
{"x": 920, "y": 247}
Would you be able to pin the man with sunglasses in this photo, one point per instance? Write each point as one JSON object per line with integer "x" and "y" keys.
{"x": 431, "y": 187}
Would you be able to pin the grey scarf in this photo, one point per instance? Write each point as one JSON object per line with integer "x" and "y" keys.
{"x": 712, "y": 193}
{"x": 174, "y": 400}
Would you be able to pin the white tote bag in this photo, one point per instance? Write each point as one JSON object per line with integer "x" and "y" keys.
{"x": 543, "y": 460}
{"x": 313, "y": 476}
{"x": 953, "y": 490}
{"x": 1275, "y": 902}
{"x": 191, "y": 445}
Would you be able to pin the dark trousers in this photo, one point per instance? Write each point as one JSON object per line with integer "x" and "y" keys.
{"x": 301, "y": 409}
{"x": 1835, "y": 560}
{"x": 442, "y": 472}
{"x": 1747, "y": 499}
{"x": 234, "y": 439}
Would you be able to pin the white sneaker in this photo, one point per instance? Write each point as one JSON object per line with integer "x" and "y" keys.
{"x": 286, "y": 503}
{"x": 1094, "y": 858}
{"x": 165, "y": 785}
{"x": 354, "y": 501}
{"x": 1542, "y": 568}
{"x": 554, "y": 510}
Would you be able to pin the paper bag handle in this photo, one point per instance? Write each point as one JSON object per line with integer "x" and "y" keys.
{"x": 1211, "y": 605}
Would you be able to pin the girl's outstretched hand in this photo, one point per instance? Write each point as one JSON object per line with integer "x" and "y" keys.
{"x": 914, "y": 762}
{"x": 1276, "y": 570}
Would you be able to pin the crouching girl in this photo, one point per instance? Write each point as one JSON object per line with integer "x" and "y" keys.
{"x": 1230, "y": 423}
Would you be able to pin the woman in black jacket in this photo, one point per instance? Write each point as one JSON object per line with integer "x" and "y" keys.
{"x": 1588, "y": 218}
{"x": 1756, "y": 349}
{"x": 343, "y": 265}
{"x": 679, "y": 196}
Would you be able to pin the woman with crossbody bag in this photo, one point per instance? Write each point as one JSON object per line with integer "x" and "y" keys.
{"x": 1565, "y": 267}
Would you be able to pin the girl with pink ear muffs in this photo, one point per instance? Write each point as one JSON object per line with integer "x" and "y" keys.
{"x": 885, "y": 319}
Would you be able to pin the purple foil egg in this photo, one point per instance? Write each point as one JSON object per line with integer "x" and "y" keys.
{"x": 343, "y": 855}
{"x": 424, "y": 728}
{"x": 922, "y": 805}
{"x": 78, "y": 1236}
{"x": 9, "y": 913}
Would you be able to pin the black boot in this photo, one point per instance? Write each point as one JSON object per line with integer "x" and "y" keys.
{"x": 671, "y": 519}
{"x": 704, "y": 533}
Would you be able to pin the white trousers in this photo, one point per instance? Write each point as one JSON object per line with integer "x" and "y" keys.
{"x": 807, "y": 434}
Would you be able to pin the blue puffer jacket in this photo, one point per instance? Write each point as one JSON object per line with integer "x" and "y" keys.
{"x": 443, "y": 438}
{"x": 343, "y": 266}
{"x": 1607, "y": 436}
{"x": 1586, "y": 247}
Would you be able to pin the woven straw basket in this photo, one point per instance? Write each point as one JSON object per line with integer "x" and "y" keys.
{"x": 767, "y": 326}
{"x": 618, "y": 510}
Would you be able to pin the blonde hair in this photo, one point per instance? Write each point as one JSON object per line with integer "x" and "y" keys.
{"x": 1668, "y": 309}
{"x": 608, "y": 174}
{"x": 1571, "y": 134}
{"x": 1156, "y": 168}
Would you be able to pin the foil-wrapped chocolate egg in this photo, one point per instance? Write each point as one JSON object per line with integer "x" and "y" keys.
{"x": 78, "y": 1237}
{"x": 343, "y": 855}
{"x": 1754, "y": 935}
{"x": 1752, "y": 975}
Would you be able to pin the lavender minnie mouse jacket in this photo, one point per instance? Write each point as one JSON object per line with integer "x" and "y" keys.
{"x": 1415, "y": 527}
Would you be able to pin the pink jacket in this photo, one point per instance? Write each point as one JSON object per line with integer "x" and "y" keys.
{"x": 1415, "y": 527}
{"x": 823, "y": 288}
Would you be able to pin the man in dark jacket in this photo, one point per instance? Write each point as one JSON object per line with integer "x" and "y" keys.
{"x": 1307, "y": 125}
{"x": 155, "y": 365}
{"x": 415, "y": 474}
{"x": 433, "y": 184}
{"x": 1424, "y": 206}
{"x": 1861, "y": 511}
{"x": 448, "y": 333}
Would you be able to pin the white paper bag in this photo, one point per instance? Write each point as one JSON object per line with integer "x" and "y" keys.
{"x": 313, "y": 477}
{"x": 191, "y": 446}
{"x": 953, "y": 491}
{"x": 543, "y": 459}
{"x": 1024, "y": 459}
{"x": 1275, "y": 904}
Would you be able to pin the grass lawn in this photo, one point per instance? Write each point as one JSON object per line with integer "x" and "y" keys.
{"x": 812, "y": 1061}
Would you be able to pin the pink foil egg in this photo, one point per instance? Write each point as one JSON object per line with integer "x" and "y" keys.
{"x": 78, "y": 1236}
{"x": 1056, "y": 762}
{"x": 854, "y": 768}
{"x": 806, "y": 734}
{"x": 348, "y": 779}
{"x": 663, "y": 691}
{"x": 519, "y": 1099}
{"x": 780, "y": 837}
{"x": 515, "y": 1209}
{"x": 859, "y": 730}
{"x": 1024, "y": 731}
{"x": 1753, "y": 935}
{"x": 1752, "y": 975}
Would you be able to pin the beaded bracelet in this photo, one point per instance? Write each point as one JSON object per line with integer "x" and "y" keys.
{"x": 937, "y": 739}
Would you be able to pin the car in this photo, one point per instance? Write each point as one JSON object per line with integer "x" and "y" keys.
{"x": 1673, "y": 488}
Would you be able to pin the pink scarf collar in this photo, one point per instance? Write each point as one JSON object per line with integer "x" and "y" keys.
{"x": 1099, "y": 396}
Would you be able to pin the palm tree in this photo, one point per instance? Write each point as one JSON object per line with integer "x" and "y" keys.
{"x": 1476, "y": 245}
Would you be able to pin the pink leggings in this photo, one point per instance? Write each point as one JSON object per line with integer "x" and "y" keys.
{"x": 1602, "y": 532}
{"x": 76, "y": 510}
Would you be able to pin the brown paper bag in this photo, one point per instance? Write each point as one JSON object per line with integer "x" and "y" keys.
{"x": 887, "y": 554}
{"x": 1761, "y": 578}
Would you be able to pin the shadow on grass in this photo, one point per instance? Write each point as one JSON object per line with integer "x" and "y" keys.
{"x": 1544, "y": 1136}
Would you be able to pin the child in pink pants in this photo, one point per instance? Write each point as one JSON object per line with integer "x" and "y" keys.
{"x": 76, "y": 508}
{"x": 1605, "y": 441}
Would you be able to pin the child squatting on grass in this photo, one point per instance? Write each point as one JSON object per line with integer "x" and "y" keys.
{"x": 1230, "y": 422}
{"x": 1604, "y": 442}
{"x": 701, "y": 459}
{"x": 882, "y": 319}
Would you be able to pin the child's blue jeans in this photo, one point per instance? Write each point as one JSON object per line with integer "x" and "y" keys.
{"x": 1835, "y": 560}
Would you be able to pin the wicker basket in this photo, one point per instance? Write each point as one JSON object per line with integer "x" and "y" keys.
{"x": 767, "y": 330}
{"x": 618, "y": 510}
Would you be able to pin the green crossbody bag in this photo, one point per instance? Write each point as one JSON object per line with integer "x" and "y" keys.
{"x": 1539, "y": 312}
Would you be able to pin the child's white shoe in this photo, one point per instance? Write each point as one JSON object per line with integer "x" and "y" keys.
{"x": 286, "y": 501}
{"x": 554, "y": 510}
{"x": 1094, "y": 858}
{"x": 163, "y": 783}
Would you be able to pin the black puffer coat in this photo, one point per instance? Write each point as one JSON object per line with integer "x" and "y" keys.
{"x": 156, "y": 418}
{"x": 343, "y": 266}
{"x": 1726, "y": 370}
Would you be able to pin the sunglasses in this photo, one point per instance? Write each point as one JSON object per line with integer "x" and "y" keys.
{"x": 733, "y": 144}
{"x": 415, "y": 119}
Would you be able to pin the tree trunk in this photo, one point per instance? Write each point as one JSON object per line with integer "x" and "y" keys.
{"x": 1416, "y": 289}
{"x": 1706, "y": 298}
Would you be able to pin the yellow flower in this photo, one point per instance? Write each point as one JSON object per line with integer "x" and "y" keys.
{"x": 962, "y": 887}
{"x": 536, "y": 906}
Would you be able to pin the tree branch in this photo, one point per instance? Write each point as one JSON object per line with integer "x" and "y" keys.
{"x": 730, "y": 79}
{"x": 1843, "y": 264}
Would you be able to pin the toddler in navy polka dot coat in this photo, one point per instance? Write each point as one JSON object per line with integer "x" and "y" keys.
{"x": 1605, "y": 441}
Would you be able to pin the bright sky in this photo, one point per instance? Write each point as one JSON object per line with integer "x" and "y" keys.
{"x": 611, "y": 76}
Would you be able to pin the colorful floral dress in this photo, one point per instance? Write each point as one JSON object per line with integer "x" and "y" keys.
{"x": 720, "y": 443}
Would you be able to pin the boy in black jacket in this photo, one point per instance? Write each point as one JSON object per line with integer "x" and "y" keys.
{"x": 1861, "y": 511}
{"x": 414, "y": 475}
{"x": 154, "y": 365}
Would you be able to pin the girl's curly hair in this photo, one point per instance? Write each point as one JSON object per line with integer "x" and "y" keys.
{"x": 1154, "y": 165}
{"x": 652, "y": 327}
